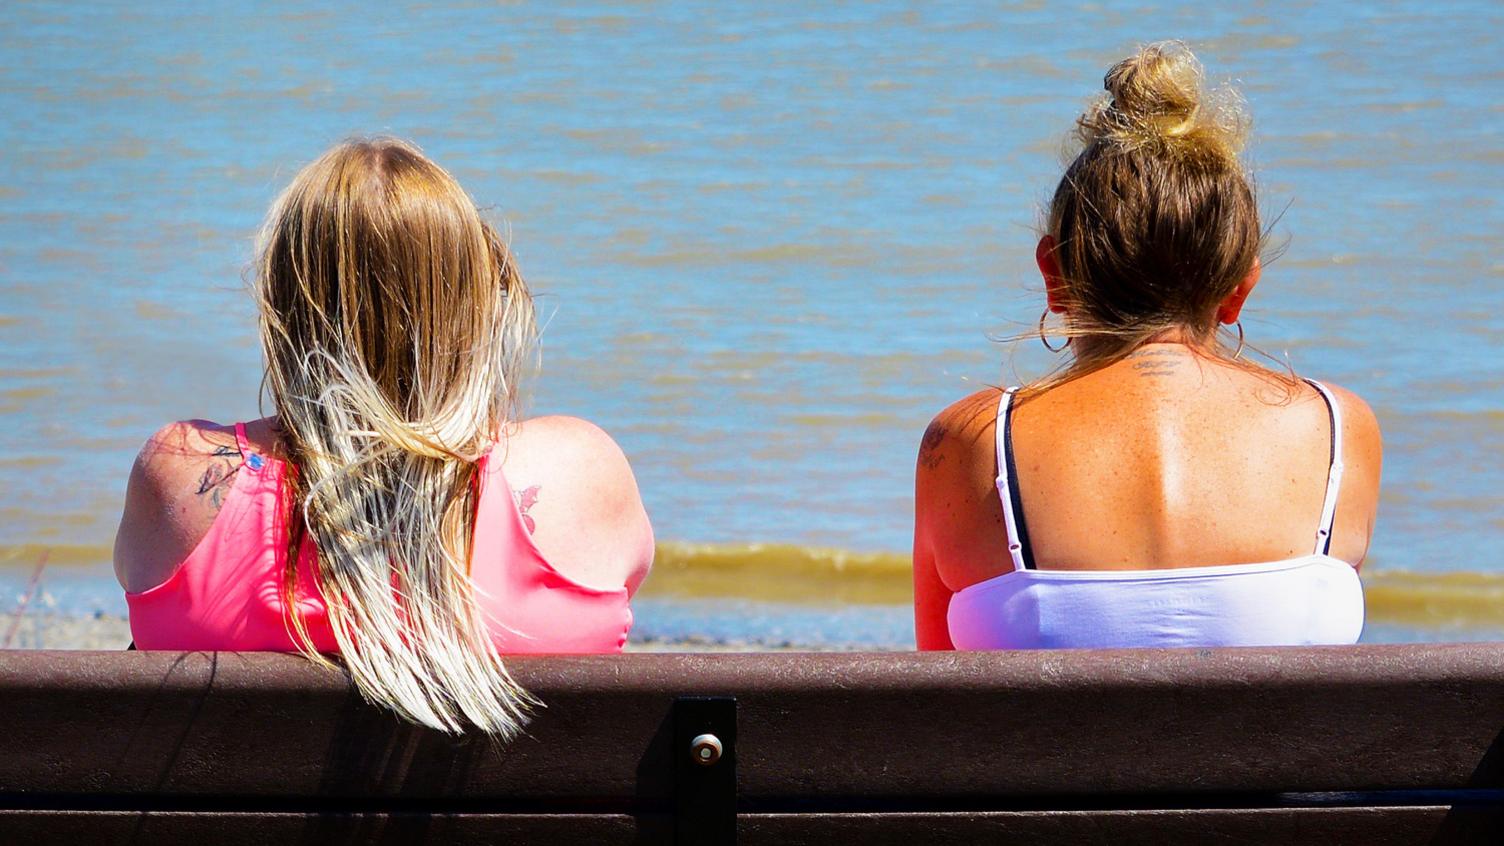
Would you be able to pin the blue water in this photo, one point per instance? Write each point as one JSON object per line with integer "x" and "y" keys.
{"x": 771, "y": 241}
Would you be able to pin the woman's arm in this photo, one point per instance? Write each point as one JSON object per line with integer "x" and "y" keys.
{"x": 931, "y": 596}
{"x": 1363, "y": 460}
{"x": 931, "y": 602}
{"x": 958, "y": 521}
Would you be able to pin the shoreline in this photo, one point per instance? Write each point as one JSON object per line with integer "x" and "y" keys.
{"x": 109, "y": 632}
{"x": 101, "y": 630}
{"x": 746, "y": 577}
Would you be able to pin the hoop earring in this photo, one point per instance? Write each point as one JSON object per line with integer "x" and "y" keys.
{"x": 1238, "y": 353}
{"x": 1045, "y": 340}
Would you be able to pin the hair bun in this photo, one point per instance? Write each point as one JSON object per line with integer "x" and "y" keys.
{"x": 1155, "y": 101}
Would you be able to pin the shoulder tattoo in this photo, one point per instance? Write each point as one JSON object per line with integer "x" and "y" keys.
{"x": 929, "y": 448}
{"x": 224, "y": 461}
{"x": 527, "y": 498}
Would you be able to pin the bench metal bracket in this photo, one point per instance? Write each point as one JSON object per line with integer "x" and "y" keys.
{"x": 704, "y": 751}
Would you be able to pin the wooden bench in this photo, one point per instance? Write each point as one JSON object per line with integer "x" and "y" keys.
{"x": 1362, "y": 745}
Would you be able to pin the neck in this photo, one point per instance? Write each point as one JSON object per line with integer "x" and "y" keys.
{"x": 1096, "y": 348}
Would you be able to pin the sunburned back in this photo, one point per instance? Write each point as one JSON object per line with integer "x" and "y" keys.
{"x": 1168, "y": 460}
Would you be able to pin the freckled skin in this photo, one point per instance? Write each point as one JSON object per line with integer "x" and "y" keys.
{"x": 1165, "y": 459}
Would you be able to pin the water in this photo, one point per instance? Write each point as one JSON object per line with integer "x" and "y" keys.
{"x": 769, "y": 242}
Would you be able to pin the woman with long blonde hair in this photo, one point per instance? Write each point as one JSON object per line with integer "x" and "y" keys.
{"x": 393, "y": 510}
{"x": 1159, "y": 489}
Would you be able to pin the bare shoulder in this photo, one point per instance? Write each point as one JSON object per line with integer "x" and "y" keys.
{"x": 582, "y": 499}
{"x": 184, "y": 443}
{"x": 963, "y": 431}
{"x": 1363, "y": 458}
{"x": 177, "y": 484}
{"x": 956, "y": 465}
{"x": 571, "y": 449}
{"x": 1362, "y": 439}
{"x": 1358, "y": 420}
{"x": 946, "y": 507}
{"x": 580, "y": 437}
{"x": 959, "y": 534}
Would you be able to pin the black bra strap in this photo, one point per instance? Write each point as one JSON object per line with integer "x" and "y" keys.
{"x": 1015, "y": 499}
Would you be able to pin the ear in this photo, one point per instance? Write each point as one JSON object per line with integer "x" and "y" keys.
{"x": 1232, "y": 304}
{"x": 1049, "y": 268}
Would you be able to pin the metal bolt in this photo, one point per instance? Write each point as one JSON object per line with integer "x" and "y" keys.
{"x": 705, "y": 749}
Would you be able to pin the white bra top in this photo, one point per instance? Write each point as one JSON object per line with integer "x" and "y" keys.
{"x": 1314, "y": 599}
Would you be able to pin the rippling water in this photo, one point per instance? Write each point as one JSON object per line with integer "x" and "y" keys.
{"x": 770, "y": 241}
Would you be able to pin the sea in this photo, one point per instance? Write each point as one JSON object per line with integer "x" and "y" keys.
{"x": 769, "y": 242}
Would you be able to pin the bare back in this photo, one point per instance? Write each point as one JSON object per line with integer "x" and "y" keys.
{"x": 1165, "y": 459}
{"x": 1177, "y": 461}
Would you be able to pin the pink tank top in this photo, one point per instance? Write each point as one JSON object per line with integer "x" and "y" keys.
{"x": 228, "y": 593}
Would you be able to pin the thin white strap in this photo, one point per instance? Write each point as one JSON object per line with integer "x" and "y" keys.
{"x": 1334, "y": 475}
{"x": 1004, "y": 484}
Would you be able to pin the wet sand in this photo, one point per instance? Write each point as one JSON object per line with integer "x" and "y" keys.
{"x": 63, "y": 631}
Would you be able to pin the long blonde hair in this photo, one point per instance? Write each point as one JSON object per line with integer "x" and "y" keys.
{"x": 395, "y": 327}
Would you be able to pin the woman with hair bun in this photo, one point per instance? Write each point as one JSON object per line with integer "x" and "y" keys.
{"x": 1158, "y": 489}
{"x": 393, "y": 509}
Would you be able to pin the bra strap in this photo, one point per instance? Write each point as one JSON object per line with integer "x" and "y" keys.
{"x": 1334, "y": 474}
{"x": 1007, "y": 483}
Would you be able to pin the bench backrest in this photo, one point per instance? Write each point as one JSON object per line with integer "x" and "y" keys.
{"x": 1369, "y": 744}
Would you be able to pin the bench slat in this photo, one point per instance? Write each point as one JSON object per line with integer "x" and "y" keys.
{"x": 910, "y": 728}
{"x": 1361, "y": 826}
{"x": 260, "y": 828}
